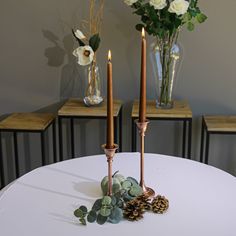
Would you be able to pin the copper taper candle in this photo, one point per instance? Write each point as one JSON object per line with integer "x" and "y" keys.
{"x": 110, "y": 121}
{"x": 142, "y": 99}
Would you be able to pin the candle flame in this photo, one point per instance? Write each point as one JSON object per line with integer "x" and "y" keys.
{"x": 109, "y": 55}
{"x": 143, "y": 32}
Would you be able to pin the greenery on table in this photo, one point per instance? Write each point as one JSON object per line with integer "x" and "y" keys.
{"x": 127, "y": 201}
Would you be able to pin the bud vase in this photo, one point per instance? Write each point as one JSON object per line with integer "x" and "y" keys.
{"x": 93, "y": 95}
{"x": 165, "y": 61}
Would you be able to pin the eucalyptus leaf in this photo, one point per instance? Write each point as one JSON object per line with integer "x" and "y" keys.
{"x": 127, "y": 197}
{"x": 92, "y": 216}
{"x": 126, "y": 184}
{"x": 132, "y": 180}
{"x": 116, "y": 187}
{"x": 135, "y": 191}
{"x": 101, "y": 219}
{"x": 106, "y": 201}
{"x": 84, "y": 210}
{"x": 116, "y": 215}
{"x": 78, "y": 213}
{"x": 97, "y": 205}
{"x": 113, "y": 200}
{"x": 105, "y": 211}
{"x": 82, "y": 221}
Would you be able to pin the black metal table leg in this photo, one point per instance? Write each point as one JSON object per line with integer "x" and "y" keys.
{"x": 207, "y": 147}
{"x": 134, "y": 134}
{"x": 184, "y": 138}
{"x": 3, "y": 182}
{"x": 115, "y": 130}
{"x": 16, "y": 154}
{"x": 54, "y": 141}
{"x": 72, "y": 138}
{"x": 60, "y": 138}
{"x": 202, "y": 141}
{"x": 42, "y": 134}
{"x": 189, "y": 138}
{"x": 120, "y": 130}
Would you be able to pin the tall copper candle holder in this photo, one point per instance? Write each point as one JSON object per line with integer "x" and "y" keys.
{"x": 110, "y": 153}
{"x": 142, "y": 127}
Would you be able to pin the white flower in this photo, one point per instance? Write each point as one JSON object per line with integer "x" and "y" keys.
{"x": 130, "y": 2}
{"x": 158, "y": 4}
{"x": 85, "y": 55}
{"x": 179, "y": 7}
{"x": 79, "y": 34}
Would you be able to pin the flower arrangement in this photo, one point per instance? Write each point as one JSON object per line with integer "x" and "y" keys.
{"x": 164, "y": 19}
{"x": 86, "y": 52}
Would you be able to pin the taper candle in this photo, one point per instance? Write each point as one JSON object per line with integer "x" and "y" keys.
{"x": 110, "y": 121}
{"x": 142, "y": 99}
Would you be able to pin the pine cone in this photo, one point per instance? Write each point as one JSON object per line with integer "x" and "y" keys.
{"x": 133, "y": 210}
{"x": 145, "y": 200}
{"x": 160, "y": 204}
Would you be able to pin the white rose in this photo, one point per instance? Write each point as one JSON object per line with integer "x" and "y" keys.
{"x": 85, "y": 55}
{"x": 179, "y": 7}
{"x": 79, "y": 34}
{"x": 130, "y": 2}
{"x": 158, "y": 4}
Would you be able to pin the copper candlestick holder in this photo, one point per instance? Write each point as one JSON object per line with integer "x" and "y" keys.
{"x": 110, "y": 152}
{"x": 142, "y": 127}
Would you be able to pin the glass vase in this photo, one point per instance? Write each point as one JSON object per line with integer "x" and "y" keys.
{"x": 93, "y": 94}
{"x": 165, "y": 62}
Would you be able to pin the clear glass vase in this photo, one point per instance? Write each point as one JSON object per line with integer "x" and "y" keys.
{"x": 165, "y": 61}
{"x": 93, "y": 86}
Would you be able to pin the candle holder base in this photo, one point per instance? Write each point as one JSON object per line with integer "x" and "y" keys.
{"x": 110, "y": 153}
{"x": 149, "y": 192}
{"x": 142, "y": 127}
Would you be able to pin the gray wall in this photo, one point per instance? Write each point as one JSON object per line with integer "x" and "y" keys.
{"x": 37, "y": 71}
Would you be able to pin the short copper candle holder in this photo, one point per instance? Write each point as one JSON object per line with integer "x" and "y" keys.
{"x": 110, "y": 153}
{"x": 142, "y": 127}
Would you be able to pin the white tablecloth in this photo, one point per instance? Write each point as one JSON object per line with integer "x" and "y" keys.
{"x": 41, "y": 203}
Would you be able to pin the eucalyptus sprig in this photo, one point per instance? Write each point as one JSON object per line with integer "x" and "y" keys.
{"x": 110, "y": 208}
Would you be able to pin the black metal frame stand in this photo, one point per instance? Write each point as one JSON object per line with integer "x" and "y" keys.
{"x": 206, "y": 145}
{"x": 186, "y": 132}
{"x": 117, "y": 119}
{"x": 15, "y": 143}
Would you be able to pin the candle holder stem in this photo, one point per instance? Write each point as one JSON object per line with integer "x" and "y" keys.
{"x": 110, "y": 153}
{"x": 142, "y": 127}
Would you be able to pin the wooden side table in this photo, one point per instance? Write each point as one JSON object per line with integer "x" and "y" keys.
{"x": 27, "y": 123}
{"x": 180, "y": 112}
{"x": 215, "y": 125}
{"x": 75, "y": 109}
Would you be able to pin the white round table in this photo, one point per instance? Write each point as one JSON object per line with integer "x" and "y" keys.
{"x": 202, "y": 198}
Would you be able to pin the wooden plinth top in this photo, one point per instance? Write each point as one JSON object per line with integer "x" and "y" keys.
{"x": 180, "y": 109}
{"x": 221, "y": 123}
{"x": 27, "y": 121}
{"x": 76, "y": 107}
